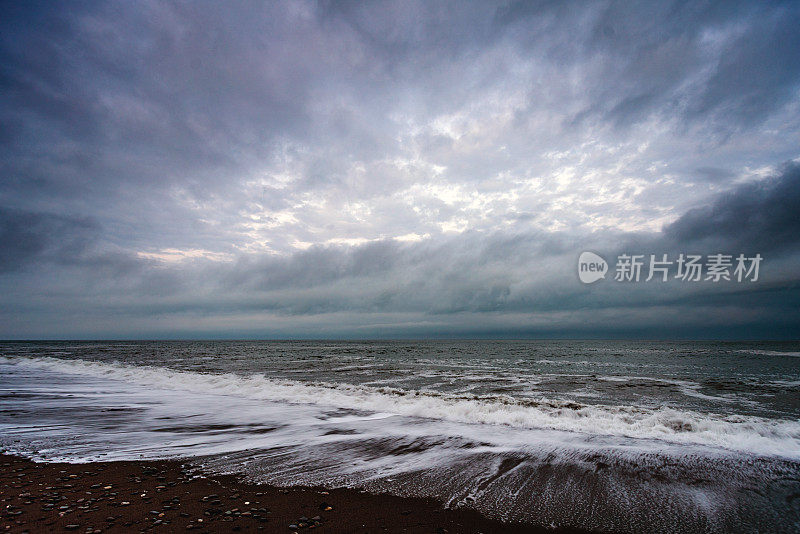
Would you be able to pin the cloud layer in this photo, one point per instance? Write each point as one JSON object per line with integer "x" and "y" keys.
{"x": 314, "y": 169}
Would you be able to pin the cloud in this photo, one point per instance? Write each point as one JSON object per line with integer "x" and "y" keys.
{"x": 407, "y": 167}
{"x": 755, "y": 217}
{"x": 30, "y": 237}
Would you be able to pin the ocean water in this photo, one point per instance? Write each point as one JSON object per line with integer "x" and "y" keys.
{"x": 608, "y": 435}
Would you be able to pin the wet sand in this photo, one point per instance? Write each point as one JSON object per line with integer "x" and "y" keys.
{"x": 169, "y": 496}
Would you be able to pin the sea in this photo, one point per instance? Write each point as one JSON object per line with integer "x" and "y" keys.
{"x": 630, "y": 436}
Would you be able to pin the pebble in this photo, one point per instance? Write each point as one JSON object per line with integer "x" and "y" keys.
{"x": 80, "y": 502}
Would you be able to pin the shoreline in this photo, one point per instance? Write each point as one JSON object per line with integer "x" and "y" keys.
{"x": 171, "y": 496}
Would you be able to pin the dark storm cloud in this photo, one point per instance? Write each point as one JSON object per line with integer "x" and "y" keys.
{"x": 759, "y": 71}
{"x": 29, "y": 237}
{"x": 758, "y": 217}
{"x": 385, "y": 168}
{"x": 658, "y": 44}
{"x": 472, "y": 273}
{"x": 528, "y": 273}
{"x": 43, "y": 246}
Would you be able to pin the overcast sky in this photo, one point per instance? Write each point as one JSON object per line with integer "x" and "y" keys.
{"x": 405, "y": 169}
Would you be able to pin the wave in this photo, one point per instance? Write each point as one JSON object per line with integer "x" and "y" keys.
{"x": 792, "y": 354}
{"x": 751, "y": 434}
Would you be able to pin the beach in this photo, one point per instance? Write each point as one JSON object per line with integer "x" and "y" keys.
{"x": 400, "y": 266}
{"x": 169, "y": 496}
{"x": 473, "y": 436}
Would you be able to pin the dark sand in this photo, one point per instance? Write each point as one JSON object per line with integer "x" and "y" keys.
{"x": 165, "y": 496}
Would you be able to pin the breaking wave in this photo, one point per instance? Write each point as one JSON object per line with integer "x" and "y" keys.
{"x": 750, "y": 434}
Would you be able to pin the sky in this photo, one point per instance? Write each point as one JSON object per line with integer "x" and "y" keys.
{"x": 395, "y": 169}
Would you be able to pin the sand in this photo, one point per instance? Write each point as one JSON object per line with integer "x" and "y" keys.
{"x": 168, "y": 496}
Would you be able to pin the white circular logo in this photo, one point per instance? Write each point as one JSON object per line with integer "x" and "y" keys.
{"x": 591, "y": 267}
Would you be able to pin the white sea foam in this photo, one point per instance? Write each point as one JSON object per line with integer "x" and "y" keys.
{"x": 776, "y": 437}
{"x": 773, "y": 353}
{"x": 792, "y": 354}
